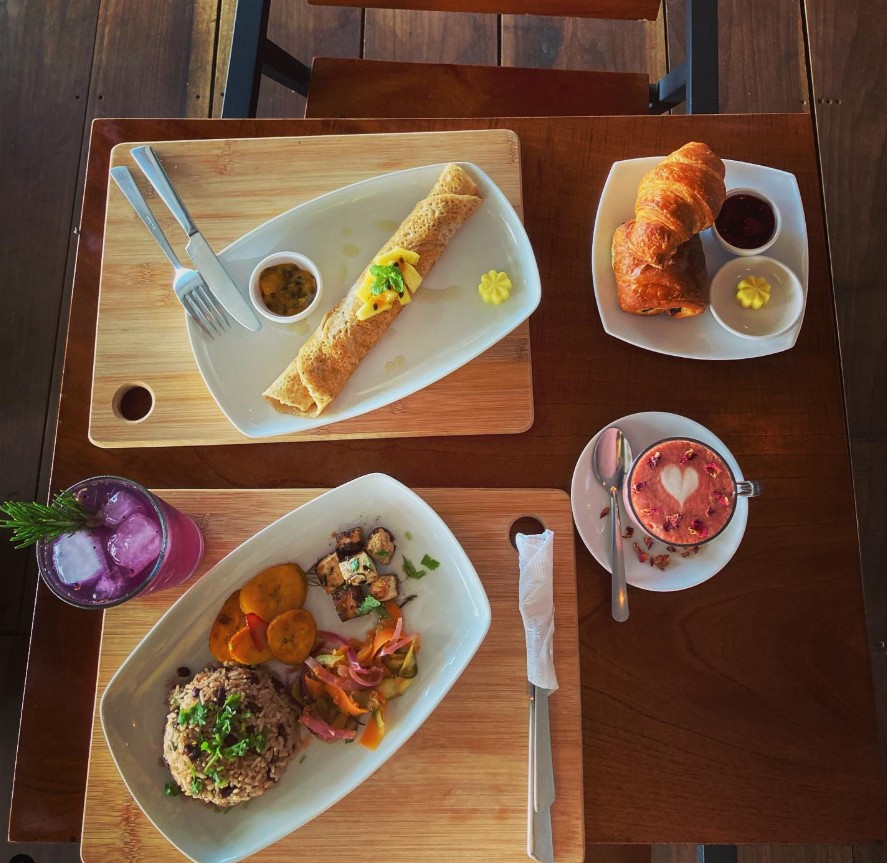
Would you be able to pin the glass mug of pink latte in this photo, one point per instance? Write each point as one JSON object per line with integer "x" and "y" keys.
{"x": 682, "y": 492}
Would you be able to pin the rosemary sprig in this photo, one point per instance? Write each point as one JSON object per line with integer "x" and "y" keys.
{"x": 32, "y": 521}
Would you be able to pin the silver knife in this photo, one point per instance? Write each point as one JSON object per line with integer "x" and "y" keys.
{"x": 208, "y": 265}
{"x": 543, "y": 795}
{"x": 540, "y": 788}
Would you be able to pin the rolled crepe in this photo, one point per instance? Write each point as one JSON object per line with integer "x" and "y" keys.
{"x": 332, "y": 353}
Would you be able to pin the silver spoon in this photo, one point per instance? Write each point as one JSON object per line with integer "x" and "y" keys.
{"x": 611, "y": 461}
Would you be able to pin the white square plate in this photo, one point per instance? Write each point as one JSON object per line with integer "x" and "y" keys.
{"x": 447, "y": 326}
{"x": 700, "y": 337}
{"x": 450, "y": 612}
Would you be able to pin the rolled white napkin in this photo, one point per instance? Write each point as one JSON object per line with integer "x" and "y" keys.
{"x": 536, "y": 599}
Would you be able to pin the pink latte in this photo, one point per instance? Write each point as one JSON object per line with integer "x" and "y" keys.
{"x": 681, "y": 492}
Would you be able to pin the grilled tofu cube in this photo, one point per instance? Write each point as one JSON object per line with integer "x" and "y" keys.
{"x": 327, "y": 569}
{"x": 348, "y": 600}
{"x": 358, "y": 569}
{"x": 349, "y": 542}
{"x": 385, "y": 587}
{"x": 380, "y": 545}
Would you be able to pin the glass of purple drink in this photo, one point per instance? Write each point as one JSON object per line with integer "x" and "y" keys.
{"x": 139, "y": 544}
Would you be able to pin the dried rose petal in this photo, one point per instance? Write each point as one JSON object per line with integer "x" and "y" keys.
{"x": 651, "y": 511}
{"x": 670, "y": 548}
{"x": 712, "y": 469}
{"x": 689, "y": 455}
{"x": 672, "y": 522}
{"x": 695, "y": 549}
{"x": 685, "y": 554}
{"x": 654, "y": 459}
{"x": 710, "y": 511}
{"x": 638, "y": 486}
{"x": 721, "y": 498}
{"x": 629, "y": 532}
{"x": 605, "y": 512}
{"x": 697, "y": 528}
{"x": 642, "y": 555}
{"x": 660, "y": 561}
{"x": 648, "y": 542}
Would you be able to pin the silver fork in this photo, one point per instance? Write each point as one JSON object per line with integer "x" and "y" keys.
{"x": 189, "y": 287}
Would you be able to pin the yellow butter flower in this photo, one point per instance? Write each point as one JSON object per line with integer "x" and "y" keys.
{"x": 494, "y": 287}
{"x": 753, "y": 292}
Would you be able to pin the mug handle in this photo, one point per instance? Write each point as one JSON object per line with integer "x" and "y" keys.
{"x": 749, "y": 488}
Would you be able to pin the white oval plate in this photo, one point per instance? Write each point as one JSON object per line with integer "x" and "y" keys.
{"x": 448, "y": 325}
{"x": 451, "y": 613}
{"x": 700, "y": 337}
{"x": 588, "y": 499}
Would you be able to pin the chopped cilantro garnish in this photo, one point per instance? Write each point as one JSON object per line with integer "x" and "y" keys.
{"x": 410, "y": 569}
{"x": 368, "y": 605}
{"x": 386, "y": 276}
{"x": 195, "y": 715}
{"x": 382, "y": 552}
{"x": 408, "y": 535}
{"x": 430, "y": 562}
{"x": 171, "y": 789}
{"x": 196, "y": 785}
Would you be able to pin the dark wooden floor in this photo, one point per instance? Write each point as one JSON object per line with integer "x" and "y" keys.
{"x": 64, "y": 62}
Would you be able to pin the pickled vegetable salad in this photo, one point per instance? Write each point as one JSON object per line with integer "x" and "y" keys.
{"x": 345, "y": 686}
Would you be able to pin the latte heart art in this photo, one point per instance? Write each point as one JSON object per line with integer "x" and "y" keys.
{"x": 680, "y": 492}
{"x": 680, "y": 484}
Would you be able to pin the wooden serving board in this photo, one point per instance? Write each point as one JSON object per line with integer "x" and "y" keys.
{"x": 231, "y": 187}
{"x": 457, "y": 790}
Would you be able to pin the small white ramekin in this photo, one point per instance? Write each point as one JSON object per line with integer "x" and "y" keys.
{"x": 735, "y": 250}
{"x": 284, "y": 258}
{"x": 779, "y": 315}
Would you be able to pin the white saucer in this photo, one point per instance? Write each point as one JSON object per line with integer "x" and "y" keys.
{"x": 589, "y": 499}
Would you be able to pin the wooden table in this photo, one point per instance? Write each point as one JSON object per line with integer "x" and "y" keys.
{"x": 739, "y": 711}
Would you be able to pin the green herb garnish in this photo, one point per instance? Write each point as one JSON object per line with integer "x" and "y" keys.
{"x": 171, "y": 790}
{"x": 383, "y": 552}
{"x": 30, "y": 522}
{"x": 386, "y": 277}
{"x": 354, "y": 564}
{"x": 196, "y": 786}
{"x": 408, "y": 535}
{"x": 430, "y": 562}
{"x": 368, "y": 605}
{"x": 195, "y": 715}
{"x": 410, "y": 569}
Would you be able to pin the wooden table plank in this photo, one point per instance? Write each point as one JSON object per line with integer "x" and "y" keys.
{"x": 712, "y": 706}
{"x": 403, "y": 34}
{"x": 761, "y": 68}
{"x": 848, "y": 68}
{"x": 301, "y": 30}
{"x": 620, "y": 9}
{"x": 584, "y": 43}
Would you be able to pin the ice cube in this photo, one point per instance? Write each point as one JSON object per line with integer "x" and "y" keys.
{"x": 136, "y": 543}
{"x": 79, "y": 556}
{"x": 110, "y": 585}
{"x": 118, "y": 506}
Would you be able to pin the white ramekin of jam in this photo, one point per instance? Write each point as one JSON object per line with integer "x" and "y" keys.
{"x": 748, "y": 224}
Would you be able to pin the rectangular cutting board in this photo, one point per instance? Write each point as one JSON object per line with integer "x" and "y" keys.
{"x": 231, "y": 187}
{"x": 460, "y": 783}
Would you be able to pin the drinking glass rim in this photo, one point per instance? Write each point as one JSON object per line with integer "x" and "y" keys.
{"x": 653, "y": 445}
{"x": 161, "y": 556}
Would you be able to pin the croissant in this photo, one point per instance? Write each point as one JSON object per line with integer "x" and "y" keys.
{"x": 679, "y": 288}
{"x": 680, "y": 197}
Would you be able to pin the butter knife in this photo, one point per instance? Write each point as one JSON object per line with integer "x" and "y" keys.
{"x": 540, "y": 785}
{"x": 208, "y": 265}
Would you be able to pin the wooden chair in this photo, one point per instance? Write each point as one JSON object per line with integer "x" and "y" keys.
{"x": 372, "y": 88}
